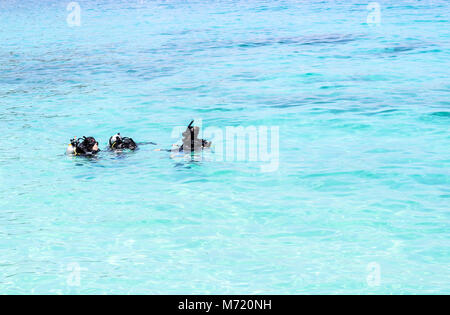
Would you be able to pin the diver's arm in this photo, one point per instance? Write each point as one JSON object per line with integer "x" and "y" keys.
{"x": 146, "y": 143}
{"x": 175, "y": 148}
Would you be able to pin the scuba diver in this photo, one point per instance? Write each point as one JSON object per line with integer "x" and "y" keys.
{"x": 86, "y": 146}
{"x": 191, "y": 142}
{"x": 117, "y": 142}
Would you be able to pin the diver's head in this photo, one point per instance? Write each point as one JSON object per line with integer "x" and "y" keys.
{"x": 190, "y": 140}
{"x": 89, "y": 144}
{"x": 191, "y": 130}
{"x": 115, "y": 140}
{"x": 128, "y": 143}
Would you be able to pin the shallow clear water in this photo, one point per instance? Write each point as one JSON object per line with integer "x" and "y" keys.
{"x": 363, "y": 177}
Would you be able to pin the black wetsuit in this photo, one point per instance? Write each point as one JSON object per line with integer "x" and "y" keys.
{"x": 84, "y": 146}
{"x": 124, "y": 143}
{"x": 204, "y": 143}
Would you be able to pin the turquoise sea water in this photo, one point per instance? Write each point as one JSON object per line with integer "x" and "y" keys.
{"x": 359, "y": 203}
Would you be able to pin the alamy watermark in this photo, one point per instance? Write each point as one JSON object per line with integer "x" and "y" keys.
{"x": 74, "y": 276}
{"x": 74, "y": 16}
{"x": 374, "y": 274}
{"x": 254, "y": 144}
{"x": 374, "y": 16}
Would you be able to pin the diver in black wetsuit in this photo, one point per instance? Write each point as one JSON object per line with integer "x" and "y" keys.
{"x": 86, "y": 146}
{"x": 191, "y": 142}
{"x": 117, "y": 142}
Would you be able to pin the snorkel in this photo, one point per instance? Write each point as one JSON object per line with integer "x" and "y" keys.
{"x": 191, "y": 129}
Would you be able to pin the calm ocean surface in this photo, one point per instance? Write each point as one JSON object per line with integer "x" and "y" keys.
{"x": 359, "y": 203}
